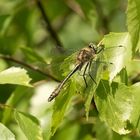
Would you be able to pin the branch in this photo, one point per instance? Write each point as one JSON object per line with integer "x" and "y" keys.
{"x": 49, "y": 27}
{"x": 3, "y": 106}
{"x": 36, "y": 69}
{"x": 102, "y": 17}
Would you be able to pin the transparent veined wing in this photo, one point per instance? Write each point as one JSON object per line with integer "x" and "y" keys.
{"x": 113, "y": 51}
{"x": 116, "y": 56}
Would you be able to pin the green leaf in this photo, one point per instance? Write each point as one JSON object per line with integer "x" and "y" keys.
{"x": 63, "y": 99}
{"x": 96, "y": 72}
{"x": 61, "y": 105}
{"x": 69, "y": 132}
{"x": 5, "y": 133}
{"x": 118, "y": 106}
{"x": 15, "y": 75}
{"x": 135, "y": 115}
{"x": 124, "y": 76}
{"x": 120, "y": 56}
{"x": 29, "y": 125}
{"x": 102, "y": 128}
{"x": 15, "y": 97}
{"x": 4, "y": 23}
{"x": 133, "y": 22}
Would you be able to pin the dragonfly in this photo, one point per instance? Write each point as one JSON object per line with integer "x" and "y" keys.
{"x": 85, "y": 57}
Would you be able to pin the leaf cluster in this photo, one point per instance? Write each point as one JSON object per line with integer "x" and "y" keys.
{"x": 36, "y": 39}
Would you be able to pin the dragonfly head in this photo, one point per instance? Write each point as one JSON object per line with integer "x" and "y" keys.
{"x": 92, "y": 46}
{"x": 97, "y": 49}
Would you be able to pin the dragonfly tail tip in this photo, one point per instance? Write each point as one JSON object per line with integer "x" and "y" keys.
{"x": 50, "y": 99}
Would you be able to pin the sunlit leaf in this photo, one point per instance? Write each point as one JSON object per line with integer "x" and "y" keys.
{"x": 15, "y": 75}
{"x": 5, "y": 133}
{"x": 120, "y": 57}
{"x": 96, "y": 73}
{"x": 135, "y": 115}
{"x": 124, "y": 76}
{"x": 29, "y": 125}
{"x": 133, "y": 22}
{"x": 118, "y": 106}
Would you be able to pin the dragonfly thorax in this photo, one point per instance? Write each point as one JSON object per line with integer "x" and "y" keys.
{"x": 85, "y": 55}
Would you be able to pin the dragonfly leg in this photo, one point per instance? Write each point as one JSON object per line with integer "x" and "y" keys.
{"x": 101, "y": 49}
{"x": 85, "y": 81}
{"x": 92, "y": 79}
{"x": 84, "y": 73}
{"x": 90, "y": 73}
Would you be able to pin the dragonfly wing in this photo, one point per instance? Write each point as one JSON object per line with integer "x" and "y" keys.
{"x": 115, "y": 55}
{"x": 114, "y": 51}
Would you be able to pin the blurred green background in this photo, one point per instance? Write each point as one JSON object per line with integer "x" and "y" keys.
{"x": 25, "y": 35}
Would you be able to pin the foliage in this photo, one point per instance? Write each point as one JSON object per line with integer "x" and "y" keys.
{"x": 133, "y": 22}
{"x": 39, "y": 44}
{"x": 6, "y": 133}
{"x": 14, "y": 75}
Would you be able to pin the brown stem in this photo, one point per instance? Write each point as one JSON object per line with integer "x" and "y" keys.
{"x": 49, "y": 27}
{"x": 102, "y": 17}
{"x": 36, "y": 69}
{"x": 3, "y": 106}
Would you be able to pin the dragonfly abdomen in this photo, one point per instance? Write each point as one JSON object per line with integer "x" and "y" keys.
{"x": 54, "y": 94}
{"x": 57, "y": 90}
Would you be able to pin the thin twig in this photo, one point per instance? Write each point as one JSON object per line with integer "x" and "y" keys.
{"x": 36, "y": 69}
{"x": 62, "y": 21}
{"x": 49, "y": 27}
{"x": 4, "y": 106}
{"x": 102, "y": 17}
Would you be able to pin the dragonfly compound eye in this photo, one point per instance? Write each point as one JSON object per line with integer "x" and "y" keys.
{"x": 91, "y": 45}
